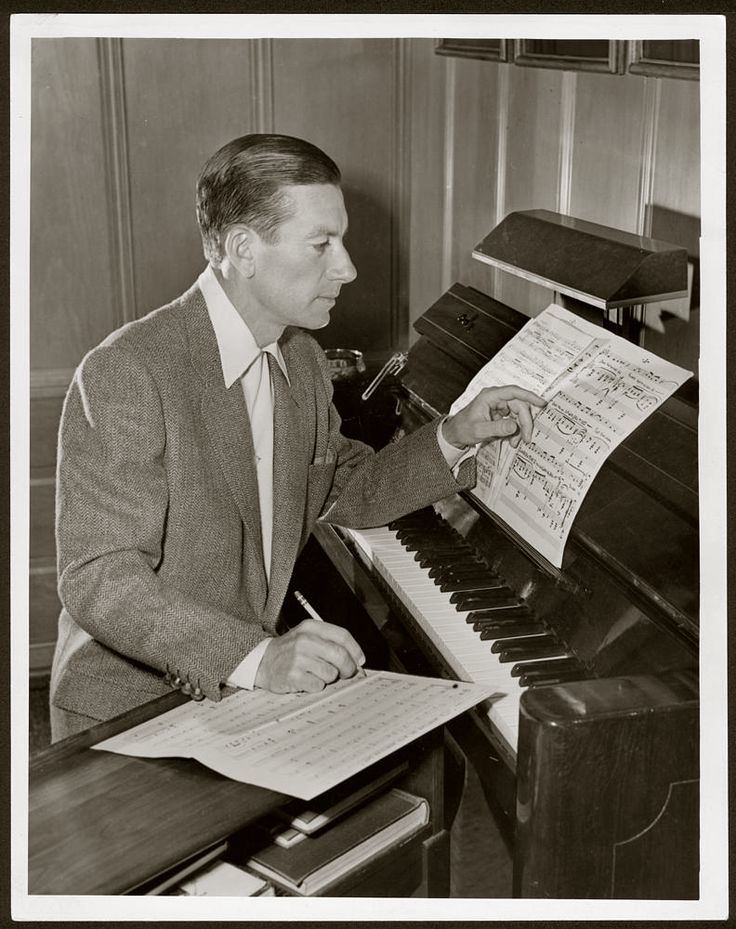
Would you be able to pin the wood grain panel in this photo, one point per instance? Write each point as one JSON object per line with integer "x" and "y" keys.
{"x": 185, "y": 98}
{"x": 676, "y": 186}
{"x": 42, "y": 542}
{"x": 44, "y": 421}
{"x": 44, "y": 606}
{"x": 426, "y": 116}
{"x": 474, "y": 179}
{"x": 607, "y": 150}
{"x": 71, "y": 284}
{"x": 533, "y": 144}
{"x": 341, "y": 95}
{"x": 676, "y": 183}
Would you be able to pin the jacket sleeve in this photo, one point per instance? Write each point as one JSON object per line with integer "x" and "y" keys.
{"x": 372, "y": 488}
{"x": 112, "y": 507}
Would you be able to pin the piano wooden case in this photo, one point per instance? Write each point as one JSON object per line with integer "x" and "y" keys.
{"x": 594, "y": 773}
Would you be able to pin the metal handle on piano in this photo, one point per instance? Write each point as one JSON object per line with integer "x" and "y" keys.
{"x": 395, "y": 363}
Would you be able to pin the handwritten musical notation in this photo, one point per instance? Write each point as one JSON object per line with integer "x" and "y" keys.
{"x": 599, "y": 388}
{"x": 302, "y": 744}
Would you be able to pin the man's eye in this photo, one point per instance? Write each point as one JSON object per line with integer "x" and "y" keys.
{"x": 321, "y": 246}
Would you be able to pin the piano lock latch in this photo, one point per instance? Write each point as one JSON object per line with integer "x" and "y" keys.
{"x": 467, "y": 322}
{"x": 395, "y": 363}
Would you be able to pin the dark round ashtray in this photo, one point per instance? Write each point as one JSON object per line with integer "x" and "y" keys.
{"x": 344, "y": 363}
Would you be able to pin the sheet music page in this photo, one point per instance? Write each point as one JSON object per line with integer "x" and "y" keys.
{"x": 303, "y": 744}
{"x": 195, "y": 726}
{"x": 594, "y": 403}
{"x": 542, "y": 352}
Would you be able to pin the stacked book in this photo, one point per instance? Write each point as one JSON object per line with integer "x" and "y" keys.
{"x": 317, "y": 848}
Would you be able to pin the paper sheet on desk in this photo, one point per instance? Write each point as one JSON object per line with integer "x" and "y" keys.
{"x": 599, "y": 388}
{"x": 302, "y": 744}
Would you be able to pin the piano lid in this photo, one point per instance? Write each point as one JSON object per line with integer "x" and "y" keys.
{"x": 600, "y": 265}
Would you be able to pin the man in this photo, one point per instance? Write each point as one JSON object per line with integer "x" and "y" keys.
{"x": 199, "y": 445}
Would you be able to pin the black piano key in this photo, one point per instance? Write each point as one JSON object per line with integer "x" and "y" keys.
{"x": 406, "y": 536}
{"x": 553, "y": 665}
{"x": 436, "y": 537}
{"x": 526, "y": 642}
{"x": 417, "y": 520}
{"x": 427, "y": 531}
{"x": 544, "y": 680}
{"x": 465, "y": 585}
{"x": 434, "y": 560}
{"x": 439, "y": 553}
{"x": 490, "y": 630}
{"x": 503, "y": 597}
{"x": 464, "y": 568}
{"x": 480, "y": 624}
{"x": 480, "y": 589}
{"x": 519, "y": 612}
{"x": 415, "y": 541}
{"x": 507, "y": 652}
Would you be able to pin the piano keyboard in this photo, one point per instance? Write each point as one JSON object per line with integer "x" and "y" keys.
{"x": 485, "y": 632}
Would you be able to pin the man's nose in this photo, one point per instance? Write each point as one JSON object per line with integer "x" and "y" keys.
{"x": 342, "y": 269}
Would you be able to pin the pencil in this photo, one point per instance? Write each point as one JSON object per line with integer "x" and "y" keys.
{"x": 307, "y": 606}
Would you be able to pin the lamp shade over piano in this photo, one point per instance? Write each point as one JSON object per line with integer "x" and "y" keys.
{"x": 589, "y": 754}
{"x": 598, "y": 265}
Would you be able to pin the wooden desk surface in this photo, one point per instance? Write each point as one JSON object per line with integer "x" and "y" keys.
{"x": 101, "y": 823}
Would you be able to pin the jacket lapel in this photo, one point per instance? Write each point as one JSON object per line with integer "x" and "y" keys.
{"x": 226, "y": 419}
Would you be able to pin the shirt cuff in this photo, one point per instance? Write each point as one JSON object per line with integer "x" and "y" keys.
{"x": 452, "y": 455}
{"x": 244, "y": 676}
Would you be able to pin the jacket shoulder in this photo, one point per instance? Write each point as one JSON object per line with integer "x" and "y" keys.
{"x": 157, "y": 335}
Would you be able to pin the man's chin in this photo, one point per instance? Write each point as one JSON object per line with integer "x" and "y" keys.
{"x": 319, "y": 321}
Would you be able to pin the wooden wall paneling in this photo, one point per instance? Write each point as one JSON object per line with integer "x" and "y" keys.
{"x": 607, "y": 149}
{"x": 428, "y": 77}
{"x": 341, "y": 94}
{"x": 676, "y": 183}
{"x": 475, "y": 164}
{"x": 45, "y": 608}
{"x": 44, "y": 427}
{"x": 117, "y": 176}
{"x": 448, "y": 175}
{"x": 184, "y": 99}
{"x": 42, "y": 542}
{"x": 539, "y": 110}
{"x": 401, "y": 194}
{"x": 71, "y": 283}
{"x": 676, "y": 186}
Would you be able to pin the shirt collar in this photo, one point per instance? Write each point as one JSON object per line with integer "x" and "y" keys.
{"x": 235, "y": 343}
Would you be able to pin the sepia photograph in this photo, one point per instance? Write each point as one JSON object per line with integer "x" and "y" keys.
{"x": 368, "y": 467}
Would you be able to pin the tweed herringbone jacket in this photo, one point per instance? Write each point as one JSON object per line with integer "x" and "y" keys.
{"x": 158, "y": 530}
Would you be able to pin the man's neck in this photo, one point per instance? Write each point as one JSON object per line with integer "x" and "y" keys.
{"x": 263, "y": 331}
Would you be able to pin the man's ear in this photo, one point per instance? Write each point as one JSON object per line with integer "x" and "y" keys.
{"x": 239, "y": 249}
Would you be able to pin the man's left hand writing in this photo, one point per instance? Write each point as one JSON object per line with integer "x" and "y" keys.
{"x": 494, "y": 413}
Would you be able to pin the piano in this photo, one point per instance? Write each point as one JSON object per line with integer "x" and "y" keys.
{"x": 588, "y": 750}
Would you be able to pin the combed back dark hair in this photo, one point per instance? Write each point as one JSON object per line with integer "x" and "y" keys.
{"x": 243, "y": 183}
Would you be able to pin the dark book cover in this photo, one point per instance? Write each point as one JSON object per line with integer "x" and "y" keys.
{"x": 320, "y": 859}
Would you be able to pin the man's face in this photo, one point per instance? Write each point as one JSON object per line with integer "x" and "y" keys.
{"x": 296, "y": 280}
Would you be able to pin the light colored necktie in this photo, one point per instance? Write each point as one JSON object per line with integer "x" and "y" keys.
{"x": 259, "y": 402}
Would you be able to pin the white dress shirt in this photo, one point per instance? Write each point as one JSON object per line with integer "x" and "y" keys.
{"x": 243, "y": 360}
